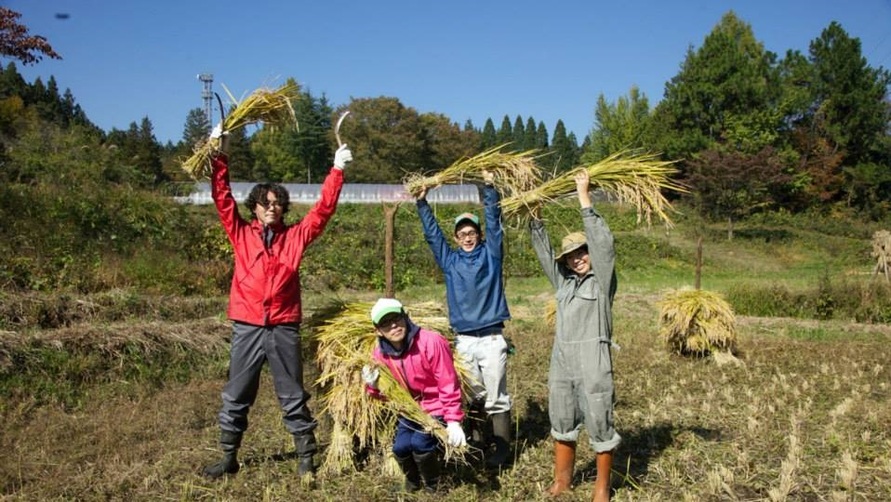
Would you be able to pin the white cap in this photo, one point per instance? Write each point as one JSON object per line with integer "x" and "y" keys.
{"x": 383, "y": 307}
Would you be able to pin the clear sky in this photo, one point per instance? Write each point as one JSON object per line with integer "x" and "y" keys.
{"x": 128, "y": 59}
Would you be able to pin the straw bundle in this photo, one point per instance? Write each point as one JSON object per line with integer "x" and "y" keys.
{"x": 345, "y": 343}
{"x": 271, "y": 107}
{"x": 696, "y": 322}
{"x": 881, "y": 251}
{"x": 637, "y": 179}
{"x": 512, "y": 172}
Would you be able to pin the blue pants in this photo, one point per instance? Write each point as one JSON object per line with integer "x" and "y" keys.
{"x": 411, "y": 438}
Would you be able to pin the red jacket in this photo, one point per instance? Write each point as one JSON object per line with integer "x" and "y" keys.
{"x": 266, "y": 283}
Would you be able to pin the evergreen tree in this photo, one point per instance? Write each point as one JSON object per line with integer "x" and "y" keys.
{"x": 488, "y": 138}
{"x": 541, "y": 137}
{"x": 529, "y": 136}
{"x": 505, "y": 133}
{"x": 618, "y": 127}
{"x": 518, "y": 134}
{"x": 563, "y": 149}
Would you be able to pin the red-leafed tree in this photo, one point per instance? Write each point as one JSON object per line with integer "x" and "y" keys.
{"x": 15, "y": 42}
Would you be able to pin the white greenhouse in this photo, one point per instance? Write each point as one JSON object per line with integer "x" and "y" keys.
{"x": 352, "y": 193}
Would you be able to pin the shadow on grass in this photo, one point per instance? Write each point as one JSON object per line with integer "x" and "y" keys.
{"x": 638, "y": 449}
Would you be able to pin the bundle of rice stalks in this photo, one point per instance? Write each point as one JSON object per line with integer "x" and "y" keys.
{"x": 881, "y": 251}
{"x": 698, "y": 323}
{"x": 513, "y": 172}
{"x": 271, "y": 107}
{"x": 345, "y": 341}
{"x": 636, "y": 179}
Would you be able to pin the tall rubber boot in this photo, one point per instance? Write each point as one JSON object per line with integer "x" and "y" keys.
{"x": 475, "y": 424}
{"x": 428, "y": 466}
{"x": 229, "y": 442}
{"x": 602, "y": 484}
{"x": 412, "y": 474}
{"x": 305, "y": 444}
{"x": 501, "y": 432}
{"x": 564, "y": 464}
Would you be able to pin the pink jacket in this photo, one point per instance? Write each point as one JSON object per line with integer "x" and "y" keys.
{"x": 266, "y": 283}
{"x": 425, "y": 367}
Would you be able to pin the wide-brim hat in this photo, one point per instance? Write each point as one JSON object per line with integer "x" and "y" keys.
{"x": 383, "y": 307}
{"x": 570, "y": 243}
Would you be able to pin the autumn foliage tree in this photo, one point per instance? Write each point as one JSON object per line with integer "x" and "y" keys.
{"x": 15, "y": 42}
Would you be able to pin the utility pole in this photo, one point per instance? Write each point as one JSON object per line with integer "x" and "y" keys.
{"x": 207, "y": 96}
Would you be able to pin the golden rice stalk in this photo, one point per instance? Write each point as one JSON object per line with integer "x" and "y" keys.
{"x": 696, "y": 322}
{"x": 271, "y": 107}
{"x": 636, "y": 179}
{"x": 550, "y": 313}
{"x": 345, "y": 339}
{"x": 881, "y": 251}
{"x": 513, "y": 172}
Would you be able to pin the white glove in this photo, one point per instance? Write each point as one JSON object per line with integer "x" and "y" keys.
{"x": 342, "y": 156}
{"x": 456, "y": 435}
{"x": 222, "y": 136}
{"x": 370, "y": 376}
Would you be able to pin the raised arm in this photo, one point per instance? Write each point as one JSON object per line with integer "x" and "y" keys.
{"x": 432, "y": 233}
{"x": 601, "y": 245}
{"x": 541, "y": 243}
{"x": 492, "y": 209}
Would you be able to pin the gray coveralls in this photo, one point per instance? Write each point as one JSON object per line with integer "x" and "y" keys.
{"x": 580, "y": 381}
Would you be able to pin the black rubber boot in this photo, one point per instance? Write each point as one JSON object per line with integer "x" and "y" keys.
{"x": 305, "y": 444}
{"x": 501, "y": 432}
{"x": 428, "y": 466}
{"x": 230, "y": 442}
{"x": 476, "y": 424}
{"x": 410, "y": 469}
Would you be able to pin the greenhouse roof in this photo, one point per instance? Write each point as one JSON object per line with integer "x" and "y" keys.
{"x": 352, "y": 193}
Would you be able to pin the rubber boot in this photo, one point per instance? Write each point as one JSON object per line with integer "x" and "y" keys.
{"x": 229, "y": 442}
{"x": 501, "y": 432}
{"x": 305, "y": 444}
{"x": 410, "y": 469}
{"x": 564, "y": 464}
{"x": 602, "y": 484}
{"x": 428, "y": 466}
{"x": 475, "y": 424}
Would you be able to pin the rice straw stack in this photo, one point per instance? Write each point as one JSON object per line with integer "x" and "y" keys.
{"x": 513, "y": 172}
{"x": 696, "y": 322}
{"x": 345, "y": 340}
{"x": 637, "y": 179}
{"x": 271, "y": 107}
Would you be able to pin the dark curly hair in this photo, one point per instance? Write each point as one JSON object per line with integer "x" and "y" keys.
{"x": 258, "y": 193}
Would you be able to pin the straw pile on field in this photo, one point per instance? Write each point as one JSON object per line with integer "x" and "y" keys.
{"x": 270, "y": 107}
{"x": 345, "y": 339}
{"x": 636, "y": 179}
{"x": 881, "y": 251}
{"x": 698, "y": 323}
{"x": 512, "y": 172}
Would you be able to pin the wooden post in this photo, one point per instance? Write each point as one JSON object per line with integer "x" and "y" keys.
{"x": 390, "y": 216}
{"x": 698, "y": 262}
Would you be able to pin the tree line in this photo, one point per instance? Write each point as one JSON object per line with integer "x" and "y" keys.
{"x": 749, "y": 130}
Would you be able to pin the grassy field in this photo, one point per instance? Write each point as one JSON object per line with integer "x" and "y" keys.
{"x": 806, "y": 415}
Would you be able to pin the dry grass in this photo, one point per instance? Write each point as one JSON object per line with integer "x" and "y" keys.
{"x": 804, "y": 419}
{"x": 345, "y": 339}
{"x": 513, "y": 172}
{"x": 271, "y": 107}
{"x": 696, "y": 322}
{"x": 630, "y": 178}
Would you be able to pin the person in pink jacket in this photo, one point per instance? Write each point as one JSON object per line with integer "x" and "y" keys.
{"x": 264, "y": 306}
{"x": 421, "y": 361}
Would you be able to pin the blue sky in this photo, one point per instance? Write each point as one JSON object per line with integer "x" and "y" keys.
{"x": 124, "y": 60}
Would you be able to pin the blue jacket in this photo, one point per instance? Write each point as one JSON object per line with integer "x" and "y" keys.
{"x": 474, "y": 280}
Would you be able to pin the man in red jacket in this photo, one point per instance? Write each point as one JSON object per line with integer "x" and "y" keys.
{"x": 264, "y": 305}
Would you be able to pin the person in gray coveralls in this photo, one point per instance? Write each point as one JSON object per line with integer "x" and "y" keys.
{"x": 580, "y": 380}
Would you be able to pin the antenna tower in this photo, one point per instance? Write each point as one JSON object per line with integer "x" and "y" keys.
{"x": 207, "y": 95}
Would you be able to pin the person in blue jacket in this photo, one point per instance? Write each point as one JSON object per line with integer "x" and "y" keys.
{"x": 477, "y": 312}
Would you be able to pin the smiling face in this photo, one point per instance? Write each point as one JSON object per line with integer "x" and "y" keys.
{"x": 467, "y": 236}
{"x": 269, "y": 212}
{"x": 578, "y": 261}
{"x": 393, "y": 328}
